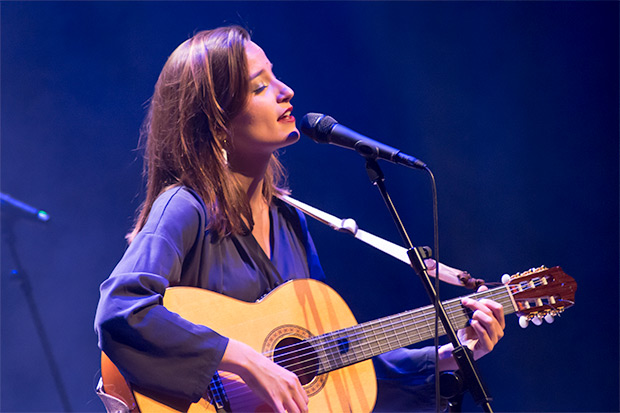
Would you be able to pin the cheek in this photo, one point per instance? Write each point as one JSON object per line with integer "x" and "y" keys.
{"x": 249, "y": 130}
{"x": 256, "y": 123}
{"x": 247, "y": 119}
{"x": 241, "y": 125}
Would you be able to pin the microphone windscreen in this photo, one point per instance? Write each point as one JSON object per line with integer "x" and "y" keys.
{"x": 317, "y": 126}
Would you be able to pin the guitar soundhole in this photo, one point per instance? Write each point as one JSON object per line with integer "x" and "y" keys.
{"x": 297, "y": 356}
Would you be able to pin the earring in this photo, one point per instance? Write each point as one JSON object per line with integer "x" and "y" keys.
{"x": 225, "y": 152}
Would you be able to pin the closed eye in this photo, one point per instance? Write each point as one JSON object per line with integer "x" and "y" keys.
{"x": 259, "y": 88}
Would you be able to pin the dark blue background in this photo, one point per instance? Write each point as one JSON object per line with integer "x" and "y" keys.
{"x": 514, "y": 106}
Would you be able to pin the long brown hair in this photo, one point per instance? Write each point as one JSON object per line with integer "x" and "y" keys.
{"x": 203, "y": 85}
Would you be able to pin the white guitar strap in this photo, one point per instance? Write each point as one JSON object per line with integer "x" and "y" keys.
{"x": 348, "y": 225}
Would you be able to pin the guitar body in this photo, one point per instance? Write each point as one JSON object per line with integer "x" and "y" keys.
{"x": 294, "y": 311}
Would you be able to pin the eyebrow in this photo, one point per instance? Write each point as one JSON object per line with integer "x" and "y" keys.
{"x": 257, "y": 74}
{"x": 260, "y": 72}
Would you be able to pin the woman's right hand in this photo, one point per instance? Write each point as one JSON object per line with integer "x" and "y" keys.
{"x": 279, "y": 387}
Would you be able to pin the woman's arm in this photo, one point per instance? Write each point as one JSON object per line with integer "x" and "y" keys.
{"x": 149, "y": 344}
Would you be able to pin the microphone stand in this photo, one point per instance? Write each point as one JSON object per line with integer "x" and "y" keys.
{"x": 20, "y": 274}
{"x": 462, "y": 354}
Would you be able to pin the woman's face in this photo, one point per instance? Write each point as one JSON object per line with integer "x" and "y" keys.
{"x": 266, "y": 123}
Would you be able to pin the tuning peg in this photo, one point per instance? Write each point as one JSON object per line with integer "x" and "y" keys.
{"x": 505, "y": 279}
{"x": 549, "y": 318}
{"x": 537, "y": 320}
{"x": 523, "y": 321}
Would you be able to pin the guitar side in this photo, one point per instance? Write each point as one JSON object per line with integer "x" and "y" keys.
{"x": 295, "y": 310}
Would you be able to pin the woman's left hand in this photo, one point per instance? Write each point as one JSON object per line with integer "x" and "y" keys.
{"x": 485, "y": 330}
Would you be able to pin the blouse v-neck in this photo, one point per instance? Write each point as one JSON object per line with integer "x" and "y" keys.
{"x": 268, "y": 264}
{"x": 271, "y": 237}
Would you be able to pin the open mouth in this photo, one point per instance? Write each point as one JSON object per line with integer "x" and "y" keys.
{"x": 286, "y": 115}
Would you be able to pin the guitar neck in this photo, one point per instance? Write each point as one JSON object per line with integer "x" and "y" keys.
{"x": 358, "y": 343}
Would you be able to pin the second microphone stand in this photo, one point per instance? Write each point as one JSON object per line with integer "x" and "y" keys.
{"x": 463, "y": 355}
{"x": 19, "y": 273}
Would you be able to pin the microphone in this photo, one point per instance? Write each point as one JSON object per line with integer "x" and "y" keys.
{"x": 24, "y": 209}
{"x": 325, "y": 129}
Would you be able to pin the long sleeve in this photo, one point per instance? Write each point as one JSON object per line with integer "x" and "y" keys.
{"x": 153, "y": 347}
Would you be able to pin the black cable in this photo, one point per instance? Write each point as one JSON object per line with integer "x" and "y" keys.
{"x": 436, "y": 258}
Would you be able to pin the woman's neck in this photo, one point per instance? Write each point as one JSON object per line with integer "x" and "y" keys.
{"x": 252, "y": 184}
{"x": 253, "y": 188}
{"x": 251, "y": 175}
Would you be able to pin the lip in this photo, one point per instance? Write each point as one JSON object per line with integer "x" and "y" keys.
{"x": 290, "y": 118}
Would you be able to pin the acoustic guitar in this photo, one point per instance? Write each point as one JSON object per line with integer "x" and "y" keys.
{"x": 306, "y": 327}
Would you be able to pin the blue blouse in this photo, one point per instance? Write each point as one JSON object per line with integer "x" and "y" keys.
{"x": 150, "y": 344}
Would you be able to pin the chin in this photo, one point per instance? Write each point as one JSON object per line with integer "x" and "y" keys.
{"x": 292, "y": 138}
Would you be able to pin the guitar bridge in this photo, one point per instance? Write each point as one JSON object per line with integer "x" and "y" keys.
{"x": 217, "y": 395}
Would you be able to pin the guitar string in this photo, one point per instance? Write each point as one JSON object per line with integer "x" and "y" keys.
{"x": 232, "y": 390}
{"x": 454, "y": 307}
{"x": 413, "y": 317}
{"x": 410, "y": 317}
{"x": 394, "y": 327}
{"x": 454, "y": 304}
{"x": 352, "y": 338}
{"x": 391, "y": 328}
{"x": 239, "y": 389}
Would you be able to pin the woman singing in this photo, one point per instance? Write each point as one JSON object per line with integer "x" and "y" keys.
{"x": 211, "y": 220}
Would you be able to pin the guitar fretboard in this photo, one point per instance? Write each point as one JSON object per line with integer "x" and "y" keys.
{"x": 358, "y": 343}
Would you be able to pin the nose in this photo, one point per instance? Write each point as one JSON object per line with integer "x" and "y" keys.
{"x": 286, "y": 93}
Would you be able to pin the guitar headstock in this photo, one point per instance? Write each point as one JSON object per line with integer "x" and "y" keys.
{"x": 541, "y": 293}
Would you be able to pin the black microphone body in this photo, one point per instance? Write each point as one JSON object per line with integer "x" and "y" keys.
{"x": 325, "y": 129}
{"x": 12, "y": 206}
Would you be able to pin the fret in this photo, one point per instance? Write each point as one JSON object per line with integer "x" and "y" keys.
{"x": 417, "y": 329}
{"x": 403, "y": 327}
{"x": 318, "y": 343}
{"x": 330, "y": 361}
{"x": 361, "y": 346}
{"x": 429, "y": 321}
{"x": 384, "y": 345}
{"x": 338, "y": 350}
{"x": 332, "y": 349}
{"x": 373, "y": 339}
{"x": 364, "y": 345}
{"x": 346, "y": 349}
